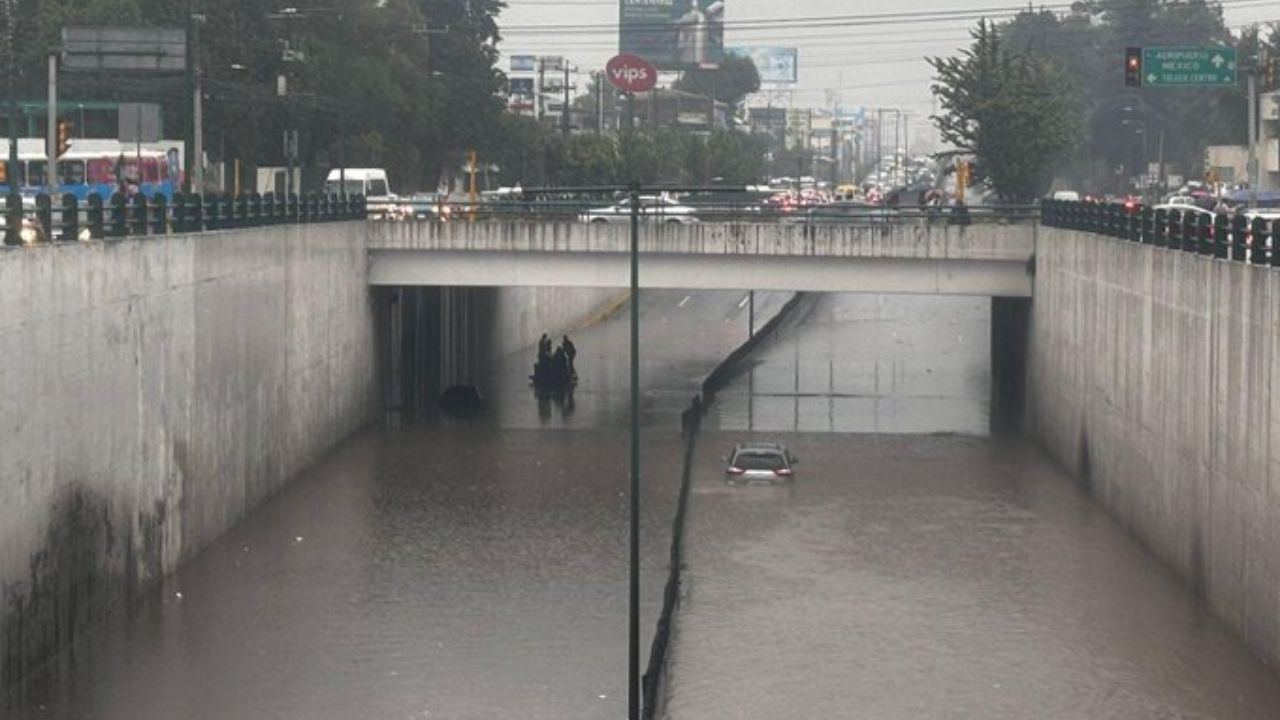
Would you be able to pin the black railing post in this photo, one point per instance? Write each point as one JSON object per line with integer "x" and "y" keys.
{"x": 138, "y": 215}
{"x": 70, "y": 218}
{"x": 291, "y": 210}
{"x": 195, "y": 212}
{"x": 1258, "y": 242}
{"x": 1203, "y": 234}
{"x": 119, "y": 228}
{"x": 241, "y": 211}
{"x": 44, "y": 214}
{"x": 1134, "y": 221}
{"x": 1160, "y": 228}
{"x": 1220, "y": 236}
{"x": 96, "y": 217}
{"x": 1148, "y": 225}
{"x": 160, "y": 214}
{"x": 1273, "y": 243}
{"x": 254, "y": 216}
{"x": 1240, "y": 238}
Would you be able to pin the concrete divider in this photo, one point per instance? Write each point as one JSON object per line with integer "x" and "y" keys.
{"x": 691, "y": 423}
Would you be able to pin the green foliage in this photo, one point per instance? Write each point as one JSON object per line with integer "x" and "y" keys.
{"x": 1126, "y": 126}
{"x": 368, "y": 71}
{"x": 1012, "y": 111}
{"x": 734, "y": 80}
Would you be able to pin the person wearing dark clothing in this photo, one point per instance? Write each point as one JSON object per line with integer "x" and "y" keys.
{"x": 544, "y": 348}
{"x": 560, "y": 361}
{"x": 570, "y": 352}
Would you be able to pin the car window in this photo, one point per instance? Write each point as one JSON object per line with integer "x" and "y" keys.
{"x": 378, "y": 188}
{"x": 759, "y": 461}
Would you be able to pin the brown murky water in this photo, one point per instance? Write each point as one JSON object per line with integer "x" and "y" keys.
{"x": 440, "y": 571}
{"x": 916, "y": 576}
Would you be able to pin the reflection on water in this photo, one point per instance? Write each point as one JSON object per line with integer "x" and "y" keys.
{"x": 920, "y": 576}
{"x": 471, "y": 568}
{"x": 870, "y": 364}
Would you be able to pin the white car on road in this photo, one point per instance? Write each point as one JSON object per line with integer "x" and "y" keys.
{"x": 660, "y": 208}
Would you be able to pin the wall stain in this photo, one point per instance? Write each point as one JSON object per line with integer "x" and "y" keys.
{"x": 87, "y": 563}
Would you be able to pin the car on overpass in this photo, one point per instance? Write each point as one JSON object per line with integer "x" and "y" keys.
{"x": 843, "y": 212}
{"x": 759, "y": 463}
{"x": 660, "y": 208}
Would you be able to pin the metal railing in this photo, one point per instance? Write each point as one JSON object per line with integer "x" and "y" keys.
{"x": 608, "y": 211}
{"x": 69, "y": 220}
{"x": 1236, "y": 237}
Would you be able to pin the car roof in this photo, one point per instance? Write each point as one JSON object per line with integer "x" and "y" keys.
{"x": 760, "y": 447}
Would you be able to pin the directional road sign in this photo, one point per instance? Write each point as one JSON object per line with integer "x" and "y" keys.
{"x": 1188, "y": 66}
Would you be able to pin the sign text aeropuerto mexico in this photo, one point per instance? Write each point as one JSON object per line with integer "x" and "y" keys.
{"x": 1188, "y": 66}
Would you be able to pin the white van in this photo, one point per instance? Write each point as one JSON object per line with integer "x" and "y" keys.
{"x": 369, "y": 182}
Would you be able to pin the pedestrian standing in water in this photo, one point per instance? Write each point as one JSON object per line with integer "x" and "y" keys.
{"x": 544, "y": 348}
{"x": 570, "y": 352}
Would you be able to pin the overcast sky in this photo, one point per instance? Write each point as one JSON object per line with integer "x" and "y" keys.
{"x": 880, "y": 66}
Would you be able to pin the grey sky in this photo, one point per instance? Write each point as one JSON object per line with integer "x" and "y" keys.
{"x": 876, "y": 66}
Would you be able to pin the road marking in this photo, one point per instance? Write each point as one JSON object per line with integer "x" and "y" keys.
{"x": 743, "y": 304}
{"x": 685, "y": 300}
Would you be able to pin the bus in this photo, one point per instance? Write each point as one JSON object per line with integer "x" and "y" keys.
{"x": 98, "y": 166}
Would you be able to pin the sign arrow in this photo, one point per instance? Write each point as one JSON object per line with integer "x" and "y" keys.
{"x": 1217, "y": 61}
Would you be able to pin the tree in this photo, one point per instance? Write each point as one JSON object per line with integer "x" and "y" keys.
{"x": 1011, "y": 111}
{"x": 733, "y": 81}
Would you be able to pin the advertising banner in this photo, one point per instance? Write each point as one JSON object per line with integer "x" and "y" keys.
{"x": 523, "y": 63}
{"x": 673, "y": 34}
{"x": 777, "y": 65}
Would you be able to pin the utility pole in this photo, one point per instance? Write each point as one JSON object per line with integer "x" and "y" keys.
{"x": 542, "y": 74}
{"x": 564, "y": 109}
{"x": 1254, "y": 175}
{"x": 51, "y": 128}
{"x": 11, "y": 175}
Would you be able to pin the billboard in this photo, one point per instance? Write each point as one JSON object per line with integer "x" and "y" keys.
{"x": 673, "y": 34}
{"x": 523, "y": 63}
{"x": 520, "y": 87}
{"x": 777, "y": 65}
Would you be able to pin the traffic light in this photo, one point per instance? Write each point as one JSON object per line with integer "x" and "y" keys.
{"x": 1133, "y": 67}
{"x": 1269, "y": 72}
{"x": 65, "y": 127}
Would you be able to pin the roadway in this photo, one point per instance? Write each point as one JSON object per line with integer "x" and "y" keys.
{"x": 450, "y": 569}
{"x": 932, "y": 573}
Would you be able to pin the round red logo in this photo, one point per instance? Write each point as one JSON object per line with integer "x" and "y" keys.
{"x": 631, "y": 73}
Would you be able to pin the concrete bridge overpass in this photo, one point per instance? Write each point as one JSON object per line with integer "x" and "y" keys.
{"x": 912, "y": 258}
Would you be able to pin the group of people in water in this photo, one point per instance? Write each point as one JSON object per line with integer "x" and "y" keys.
{"x": 555, "y": 367}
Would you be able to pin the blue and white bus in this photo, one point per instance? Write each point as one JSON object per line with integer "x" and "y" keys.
{"x": 98, "y": 166}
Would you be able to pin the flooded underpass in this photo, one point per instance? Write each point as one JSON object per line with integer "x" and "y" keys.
{"x": 918, "y": 567}
{"x": 448, "y": 569}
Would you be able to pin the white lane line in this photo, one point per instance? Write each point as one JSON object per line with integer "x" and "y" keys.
{"x": 685, "y": 300}
{"x": 743, "y": 304}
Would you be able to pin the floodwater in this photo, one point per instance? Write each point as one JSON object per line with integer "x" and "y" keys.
{"x": 933, "y": 573}
{"x": 443, "y": 570}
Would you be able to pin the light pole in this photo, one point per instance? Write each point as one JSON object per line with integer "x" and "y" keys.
{"x": 11, "y": 176}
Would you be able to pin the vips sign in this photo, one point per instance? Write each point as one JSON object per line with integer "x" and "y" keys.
{"x": 631, "y": 74}
{"x": 673, "y": 34}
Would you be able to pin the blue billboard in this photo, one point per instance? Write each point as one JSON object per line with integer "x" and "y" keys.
{"x": 776, "y": 65}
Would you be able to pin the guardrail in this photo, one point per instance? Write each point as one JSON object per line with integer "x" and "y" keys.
{"x": 70, "y": 220}
{"x": 1236, "y": 237}
{"x": 604, "y": 212}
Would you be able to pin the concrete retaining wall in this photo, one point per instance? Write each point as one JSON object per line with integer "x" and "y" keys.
{"x": 522, "y": 314}
{"x": 1150, "y": 376}
{"x": 152, "y": 392}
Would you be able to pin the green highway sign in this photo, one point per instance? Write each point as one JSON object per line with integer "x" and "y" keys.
{"x": 1188, "y": 66}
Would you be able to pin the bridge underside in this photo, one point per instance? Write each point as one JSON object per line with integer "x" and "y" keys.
{"x": 997, "y": 278}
